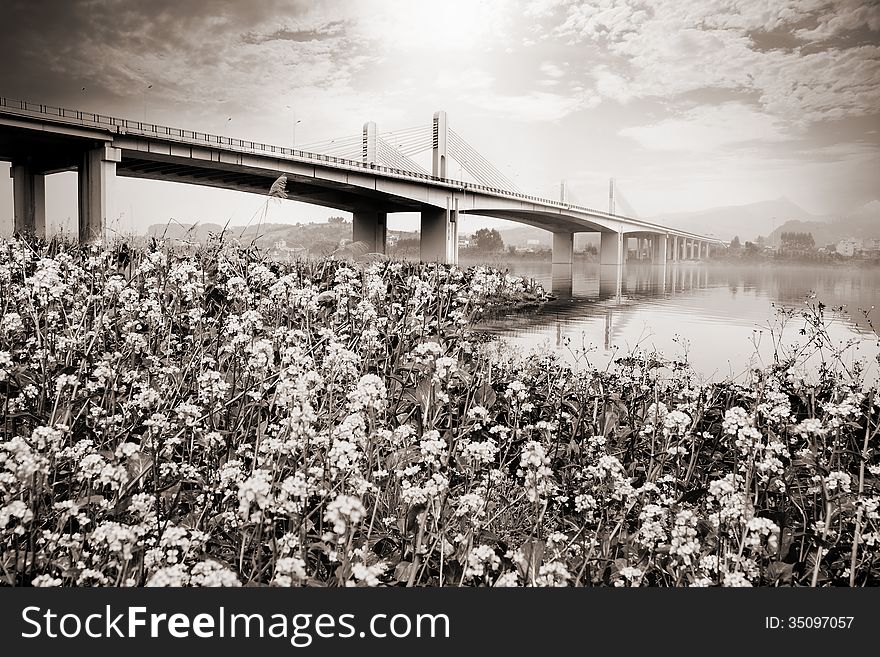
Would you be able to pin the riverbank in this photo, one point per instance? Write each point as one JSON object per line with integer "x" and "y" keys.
{"x": 214, "y": 418}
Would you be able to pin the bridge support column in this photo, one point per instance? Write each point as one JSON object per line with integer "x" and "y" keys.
{"x": 97, "y": 177}
{"x": 561, "y": 267}
{"x": 563, "y": 248}
{"x": 611, "y": 249}
{"x": 29, "y": 200}
{"x": 439, "y": 234}
{"x": 660, "y": 247}
{"x": 370, "y": 227}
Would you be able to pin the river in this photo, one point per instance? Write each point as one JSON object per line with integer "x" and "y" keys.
{"x": 723, "y": 318}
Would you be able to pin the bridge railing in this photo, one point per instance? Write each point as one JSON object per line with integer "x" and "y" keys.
{"x": 128, "y": 126}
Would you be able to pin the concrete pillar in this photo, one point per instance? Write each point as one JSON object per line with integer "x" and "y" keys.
{"x": 29, "y": 200}
{"x": 675, "y": 251}
{"x": 97, "y": 177}
{"x": 660, "y": 249}
{"x": 563, "y": 248}
{"x": 439, "y": 234}
{"x": 561, "y": 264}
{"x": 370, "y": 227}
{"x": 369, "y": 143}
{"x": 611, "y": 248}
{"x": 438, "y": 151}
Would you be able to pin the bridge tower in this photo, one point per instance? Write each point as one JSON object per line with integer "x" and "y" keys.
{"x": 438, "y": 144}
{"x": 439, "y": 226}
{"x": 369, "y": 143}
{"x": 370, "y": 225}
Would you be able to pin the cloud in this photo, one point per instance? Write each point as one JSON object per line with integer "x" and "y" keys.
{"x": 850, "y": 15}
{"x": 670, "y": 48}
{"x": 708, "y": 128}
{"x": 551, "y": 70}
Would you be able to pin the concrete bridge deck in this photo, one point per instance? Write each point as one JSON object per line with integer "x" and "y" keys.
{"x": 40, "y": 140}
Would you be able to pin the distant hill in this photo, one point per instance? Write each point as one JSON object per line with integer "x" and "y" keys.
{"x": 522, "y": 235}
{"x": 745, "y": 221}
{"x": 863, "y": 223}
{"x": 295, "y": 236}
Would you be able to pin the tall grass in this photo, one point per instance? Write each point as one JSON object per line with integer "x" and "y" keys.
{"x": 212, "y": 418}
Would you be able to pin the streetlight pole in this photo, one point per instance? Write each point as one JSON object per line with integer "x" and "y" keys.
{"x": 293, "y": 115}
{"x": 149, "y": 86}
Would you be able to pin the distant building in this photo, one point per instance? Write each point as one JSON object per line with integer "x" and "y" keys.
{"x": 848, "y": 248}
{"x": 464, "y": 242}
{"x": 281, "y": 251}
{"x": 393, "y": 239}
{"x": 871, "y": 247}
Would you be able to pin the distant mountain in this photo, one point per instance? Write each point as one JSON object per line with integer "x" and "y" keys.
{"x": 862, "y": 223}
{"x": 744, "y": 221}
{"x": 325, "y": 236}
{"x": 522, "y": 235}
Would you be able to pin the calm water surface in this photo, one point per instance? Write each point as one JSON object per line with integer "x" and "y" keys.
{"x": 722, "y": 317}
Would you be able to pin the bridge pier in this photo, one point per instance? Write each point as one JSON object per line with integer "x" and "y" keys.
{"x": 611, "y": 249}
{"x": 563, "y": 248}
{"x": 29, "y": 200}
{"x": 660, "y": 246}
{"x": 97, "y": 177}
{"x": 561, "y": 263}
{"x": 370, "y": 227}
{"x": 439, "y": 234}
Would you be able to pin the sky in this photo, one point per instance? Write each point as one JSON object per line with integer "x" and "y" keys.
{"x": 688, "y": 105}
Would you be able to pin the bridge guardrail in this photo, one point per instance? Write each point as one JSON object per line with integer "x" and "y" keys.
{"x": 92, "y": 119}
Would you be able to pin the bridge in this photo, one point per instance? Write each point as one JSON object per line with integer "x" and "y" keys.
{"x": 368, "y": 175}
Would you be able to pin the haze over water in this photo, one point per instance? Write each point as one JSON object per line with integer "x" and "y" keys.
{"x": 719, "y": 315}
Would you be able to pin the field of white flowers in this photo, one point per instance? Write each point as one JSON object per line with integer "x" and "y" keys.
{"x": 212, "y": 418}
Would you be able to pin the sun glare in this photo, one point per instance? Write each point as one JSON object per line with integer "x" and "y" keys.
{"x": 451, "y": 25}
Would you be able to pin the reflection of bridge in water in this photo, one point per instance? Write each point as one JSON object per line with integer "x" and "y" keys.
{"x": 608, "y": 292}
{"x": 723, "y": 319}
